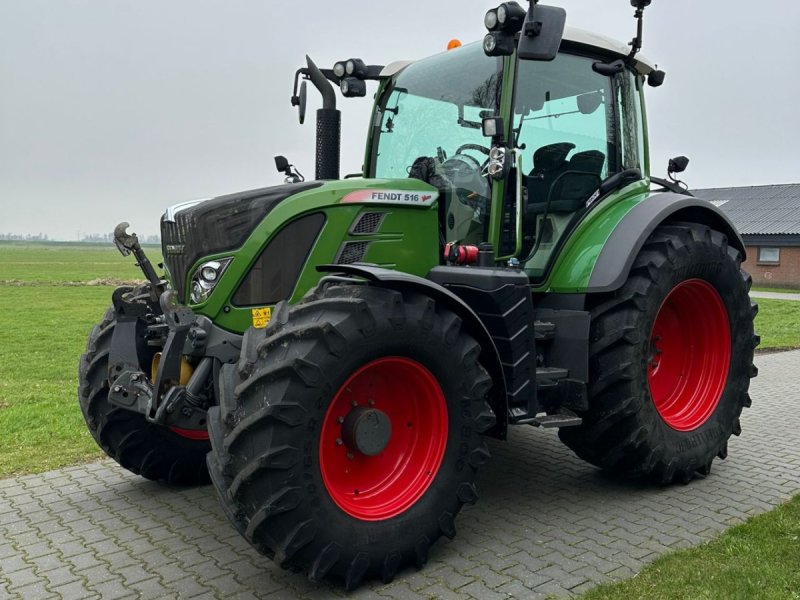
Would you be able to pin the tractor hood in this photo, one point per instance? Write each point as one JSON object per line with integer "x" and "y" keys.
{"x": 193, "y": 230}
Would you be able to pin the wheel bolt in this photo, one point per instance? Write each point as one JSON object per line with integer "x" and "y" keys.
{"x": 117, "y": 389}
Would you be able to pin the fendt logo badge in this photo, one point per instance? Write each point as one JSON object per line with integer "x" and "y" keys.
{"x": 391, "y": 197}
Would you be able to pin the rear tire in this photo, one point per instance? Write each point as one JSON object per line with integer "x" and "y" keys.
{"x": 671, "y": 357}
{"x": 284, "y": 466}
{"x": 141, "y": 447}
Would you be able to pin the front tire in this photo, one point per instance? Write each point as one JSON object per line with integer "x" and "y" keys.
{"x": 141, "y": 447}
{"x": 349, "y": 435}
{"x": 671, "y": 357}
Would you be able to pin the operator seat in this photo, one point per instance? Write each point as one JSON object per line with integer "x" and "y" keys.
{"x": 548, "y": 163}
{"x": 570, "y": 192}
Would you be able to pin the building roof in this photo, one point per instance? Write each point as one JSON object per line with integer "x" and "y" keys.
{"x": 759, "y": 210}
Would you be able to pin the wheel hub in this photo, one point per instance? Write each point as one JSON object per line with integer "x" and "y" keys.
{"x": 366, "y": 430}
{"x": 383, "y": 438}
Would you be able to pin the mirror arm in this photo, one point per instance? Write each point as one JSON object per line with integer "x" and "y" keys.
{"x": 295, "y": 96}
{"x": 672, "y": 186}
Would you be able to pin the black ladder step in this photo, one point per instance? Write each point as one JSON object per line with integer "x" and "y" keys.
{"x": 552, "y": 374}
{"x": 564, "y": 418}
{"x": 544, "y": 330}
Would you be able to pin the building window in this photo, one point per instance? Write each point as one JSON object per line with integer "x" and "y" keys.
{"x": 769, "y": 256}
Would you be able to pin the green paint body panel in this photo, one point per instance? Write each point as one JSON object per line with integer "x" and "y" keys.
{"x": 575, "y": 262}
{"x": 408, "y": 240}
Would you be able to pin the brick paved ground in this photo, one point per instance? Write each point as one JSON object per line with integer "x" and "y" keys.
{"x": 546, "y": 522}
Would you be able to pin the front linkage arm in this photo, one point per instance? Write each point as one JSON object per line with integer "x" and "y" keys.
{"x": 127, "y": 244}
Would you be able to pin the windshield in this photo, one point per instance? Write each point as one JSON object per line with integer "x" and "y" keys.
{"x": 429, "y": 126}
{"x": 435, "y": 106}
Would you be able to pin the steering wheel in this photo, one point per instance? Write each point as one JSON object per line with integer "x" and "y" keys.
{"x": 476, "y": 147}
{"x": 465, "y": 173}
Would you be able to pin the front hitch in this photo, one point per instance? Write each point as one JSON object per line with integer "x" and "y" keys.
{"x": 127, "y": 244}
{"x": 160, "y": 393}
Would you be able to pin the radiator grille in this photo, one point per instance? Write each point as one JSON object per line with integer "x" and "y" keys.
{"x": 173, "y": 249}
{"x": 368, "y": 223}
{"x": 352, "y": 252}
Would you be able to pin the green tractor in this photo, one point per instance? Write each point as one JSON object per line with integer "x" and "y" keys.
{"x": 333, "y": 354}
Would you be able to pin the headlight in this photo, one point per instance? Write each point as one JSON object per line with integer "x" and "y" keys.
{"x": 339, "y": 69}
{"x": 205, "y": 279}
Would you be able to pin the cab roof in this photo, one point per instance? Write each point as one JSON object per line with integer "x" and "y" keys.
{"x": 573, "y": 36}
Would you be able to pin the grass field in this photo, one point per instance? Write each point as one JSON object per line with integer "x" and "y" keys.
{"x": 46, "y": 264}
{"x": 45, "y": 318}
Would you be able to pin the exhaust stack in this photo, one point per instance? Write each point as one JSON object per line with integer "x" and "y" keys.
{"x": 329, "y": 126}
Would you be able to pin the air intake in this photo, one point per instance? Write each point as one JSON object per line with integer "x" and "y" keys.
{"x": 352, "y": 252}
{"x": 368, "y": 223}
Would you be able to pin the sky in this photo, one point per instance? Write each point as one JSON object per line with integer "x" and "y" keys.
{"x": 112, "y": 110}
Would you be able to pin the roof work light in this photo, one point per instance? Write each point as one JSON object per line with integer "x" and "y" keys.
{"x": 503, "y": 23}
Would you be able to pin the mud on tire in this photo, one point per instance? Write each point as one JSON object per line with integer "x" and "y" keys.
{"x": 626, "y": 430}
{"x": 267, "y": 462}
{"x": 146, "y": 449}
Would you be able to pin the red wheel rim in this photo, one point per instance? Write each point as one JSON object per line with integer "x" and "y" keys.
{"x": 690, "y": 355}
{"x": 373, "y": 488}
{"x": 191, "y": 434}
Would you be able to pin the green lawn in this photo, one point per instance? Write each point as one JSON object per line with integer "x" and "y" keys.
{"x": 44, "y": 334}
{"x": 759, "y": 560}
{"x": 58, "y": 263}
{"x": 777, "y": 290}
{"x": 778, "y": 324}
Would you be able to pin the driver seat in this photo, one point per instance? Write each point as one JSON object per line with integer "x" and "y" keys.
{"x": 548, "y": 163}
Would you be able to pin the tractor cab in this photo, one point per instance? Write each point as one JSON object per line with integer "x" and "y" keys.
{"x": 557, "y": 130}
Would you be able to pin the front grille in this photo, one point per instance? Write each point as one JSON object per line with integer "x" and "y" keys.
{"x": 352, "y": 252}
{"x": 368, "y": 223}
{"x": 173, "y": 249}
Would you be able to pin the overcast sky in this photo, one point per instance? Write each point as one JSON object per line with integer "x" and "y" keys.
{"x": 111, "y": 110}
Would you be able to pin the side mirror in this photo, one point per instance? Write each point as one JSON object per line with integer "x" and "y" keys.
{"x": 303, "y": 97}
{"x": 288, "y": 169}
{"x": 678, "y": 164}
{"x": 542, "y": 32}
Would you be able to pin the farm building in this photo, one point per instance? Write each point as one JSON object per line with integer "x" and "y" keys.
{"x": 768, "y": 218}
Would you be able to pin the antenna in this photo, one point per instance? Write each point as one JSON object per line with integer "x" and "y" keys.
{"x": 636, "y": 43}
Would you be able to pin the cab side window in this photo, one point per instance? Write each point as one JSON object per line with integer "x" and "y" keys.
{"x": 565, "y": 124}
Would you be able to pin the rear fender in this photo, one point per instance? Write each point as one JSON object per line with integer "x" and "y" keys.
{"x": 490, "y": 358}
{"x": 599, "y": 254}
{"x": 616, "y": 258}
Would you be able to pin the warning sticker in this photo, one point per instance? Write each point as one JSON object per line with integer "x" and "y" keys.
{"x": 261, "y": 317}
